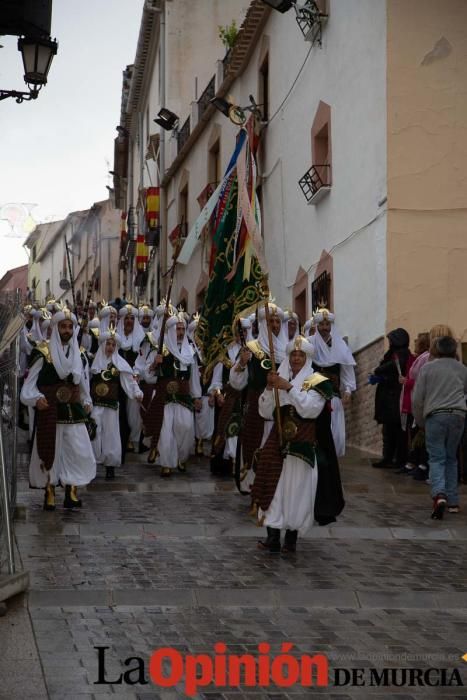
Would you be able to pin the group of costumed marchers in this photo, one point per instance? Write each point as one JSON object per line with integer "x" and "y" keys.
{"x": 291, "y": 476}
{"x": 242, "y": 380}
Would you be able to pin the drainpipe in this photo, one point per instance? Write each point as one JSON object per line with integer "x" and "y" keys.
{"x": 162, "y": 257}
{"x": 141, "y": 222}
{"x": 127, "y": 286}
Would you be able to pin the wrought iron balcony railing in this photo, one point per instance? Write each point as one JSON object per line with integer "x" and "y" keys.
{"x": 183, "y": 134}
{"x": 315, "y": 183}
{"x": 206, "y": 97}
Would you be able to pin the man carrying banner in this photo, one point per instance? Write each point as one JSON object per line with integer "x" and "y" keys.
{"x": 292, "y": 462}
{"x": 251, "y": 371}
{"x": 228, "y": 406}
{"x": 204, "y": 419}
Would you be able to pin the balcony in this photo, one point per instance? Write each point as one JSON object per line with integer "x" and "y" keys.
{"x": 206, "y": 193}
{"x": 316, "y": 183}
{"x": 226, "y": 63}
{"x": 206, "y": 97}
{"x": 310, "y": 19}
{"x": 183, "y": 134}
{"x": 178, "y": 234}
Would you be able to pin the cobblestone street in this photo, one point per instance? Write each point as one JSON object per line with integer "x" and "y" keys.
{"x": 150, "y": 563}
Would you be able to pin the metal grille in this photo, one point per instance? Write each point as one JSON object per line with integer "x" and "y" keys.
{"x": 314, "y": 179}
{"x": 226, "y": 63}
{"x": 11, "y": 322}
{"x": 183, "y": 134}
{"x": 207, "y": 96}
{"x": 321, "y": 291}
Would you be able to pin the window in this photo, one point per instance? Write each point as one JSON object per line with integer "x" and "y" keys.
{"x": 47, "y": 288}
{"x": 299, "y": 292}
{"x": 300, "y": 306}
{"x": 321, "y": 142}
{"x": 263, "y": 96}
{"x": 183, "y": 211}
{"x": 317, "y": 180}
{"x": 321, "y": 292}
{"x": 34, "y": 253}
{"x": 200, "y": 299}
{"x": 214, "y": 164}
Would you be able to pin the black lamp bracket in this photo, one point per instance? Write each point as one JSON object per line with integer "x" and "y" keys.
{"x": 19, "y": 96}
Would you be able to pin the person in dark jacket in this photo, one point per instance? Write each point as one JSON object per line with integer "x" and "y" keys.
{"x": 387, "y": 399}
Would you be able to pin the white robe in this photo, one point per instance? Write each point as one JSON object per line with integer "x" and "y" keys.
{"x": 74, "y": 463}
{"x": 326, "y": 356}
{"x": 204, "y": 419}
{"x": 292, "y": 506}
{"x": 107, "y": 444}
{"x": 178, "y": 426}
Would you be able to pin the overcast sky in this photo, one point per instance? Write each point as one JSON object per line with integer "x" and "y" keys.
{"x": 55, "y": 152}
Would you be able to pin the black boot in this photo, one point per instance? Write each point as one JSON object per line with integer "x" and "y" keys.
{"x": 272, "y": 542}
{"x": 142, "y": 448}
{"x": 290, "y": 542}
{"x": 110, "y": 473}
{"x": 71, "y": 498}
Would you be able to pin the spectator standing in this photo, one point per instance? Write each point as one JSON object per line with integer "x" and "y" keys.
{"x": 439, "y": 405}
{"x": 387, "y": 399}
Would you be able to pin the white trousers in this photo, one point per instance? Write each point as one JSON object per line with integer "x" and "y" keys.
{"x": 177, "y": 436}
{"x": 134, "y": 419}
{"x": 338, "y": 425}
{"x": 74, "y": 462}
{"x": 204, "y": 420}
{"x": 107, "y": 444}
{"x": 292, "y": 506}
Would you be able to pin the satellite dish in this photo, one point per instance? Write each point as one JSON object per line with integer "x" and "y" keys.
{"x": 64, "y": 284}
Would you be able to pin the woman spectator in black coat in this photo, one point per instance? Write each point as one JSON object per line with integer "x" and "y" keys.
{"x": 387, "y": 399}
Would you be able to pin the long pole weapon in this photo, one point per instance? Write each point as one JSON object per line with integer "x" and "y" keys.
{"x": 72, "y": 283}
{"x": 167, "y": 302}
{"x": 273, "y": 361}
{"x": 84, "y": 320}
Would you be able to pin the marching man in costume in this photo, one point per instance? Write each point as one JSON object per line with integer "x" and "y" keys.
{"x": 132, "y": 335}
{"x": 110, "y": 372}
{"x": 288, "y": 475}
{"x": 333, "y": 359}
{"x": 57, "y": 388}
{"x": 252, "y": 370}
{"x": 204, "y": 419}
{"x": 292, "y": 324}
{"x": 228, "y": 406}
{"x": 169, "y": 419}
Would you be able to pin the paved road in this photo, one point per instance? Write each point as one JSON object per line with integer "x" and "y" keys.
{"x": 150, "y": 563}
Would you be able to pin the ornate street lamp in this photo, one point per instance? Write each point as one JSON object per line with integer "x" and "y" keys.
{"x": 30, "y": 20}
{"x": 37, "y": 58}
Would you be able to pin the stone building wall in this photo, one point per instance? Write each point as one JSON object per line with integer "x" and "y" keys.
{"x": 361, "y": 429}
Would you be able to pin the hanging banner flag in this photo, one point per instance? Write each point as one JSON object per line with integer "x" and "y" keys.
{"x": 197, "y": 228}
{"x": 236, "y": 275}
{"x": 141, "y": 253}
{"x": 152, "y": 206}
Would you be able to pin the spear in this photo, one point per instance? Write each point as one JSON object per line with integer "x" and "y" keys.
{"x": 169, "y": 292}
{"x": 71, "y": 276}
{"x": 273, "y": 360}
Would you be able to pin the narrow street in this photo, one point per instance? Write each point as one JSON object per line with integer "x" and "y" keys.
{"x": 149, "y": 563}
